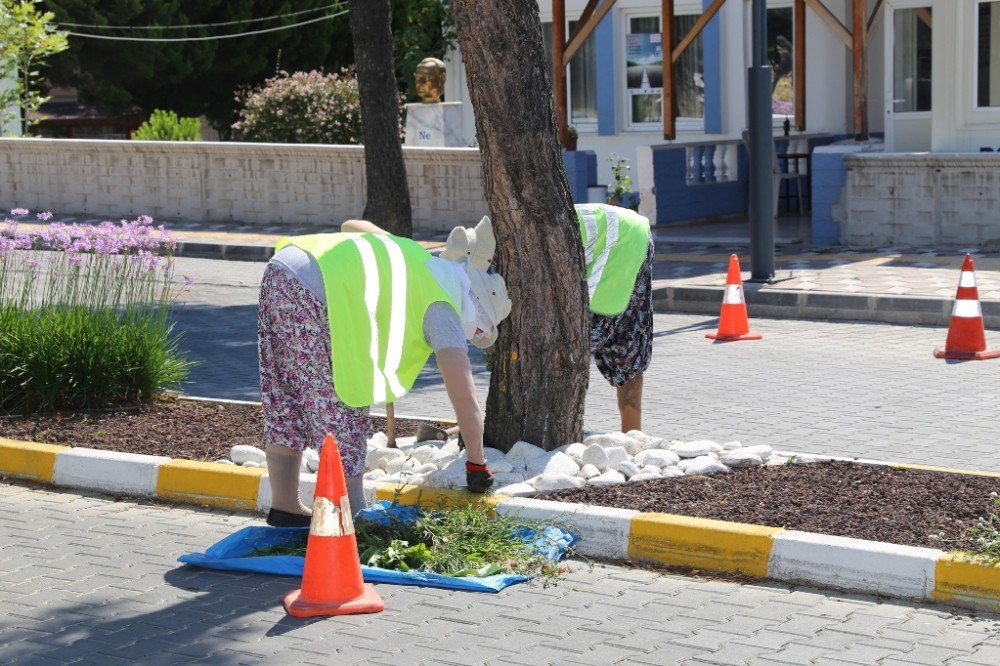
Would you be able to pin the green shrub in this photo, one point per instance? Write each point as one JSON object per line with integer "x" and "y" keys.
{"x": 166, "y": 126}
{"x": 304, "y": 107}
{"x": 85, "y": 316}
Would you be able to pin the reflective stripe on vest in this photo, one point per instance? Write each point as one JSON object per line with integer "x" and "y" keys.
{"x": 378, "y": 289}
{"x": 615, "y": 241}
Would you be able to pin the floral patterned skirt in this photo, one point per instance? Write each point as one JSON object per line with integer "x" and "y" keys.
{"x": 296, "y": 381}
{"x": 622, "y": 344}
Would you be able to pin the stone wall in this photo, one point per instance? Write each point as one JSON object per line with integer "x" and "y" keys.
{"x": 922, "y": 199}
{"x": 251, "y": 183}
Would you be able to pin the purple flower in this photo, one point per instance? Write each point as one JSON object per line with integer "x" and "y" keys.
{"x": 31, "y": 263}
{"x": 188, "y": 282}
{"x": 18, "y": 211}
{"x": 44, "y": 216}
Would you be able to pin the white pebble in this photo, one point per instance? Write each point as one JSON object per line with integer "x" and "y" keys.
{"x": 732, "y": 446}
{"x": 560, "y": 463}
{"x": 378, "y": 458}
{"x": 507, "y": 478}
{"x": 517, "y": 490}
{"x": 524, "y": 451}
{"x": 545, "y": 482}
{"x": 375, "y": 474}
{"x": 575, "y": 451}
{"x": 244, "y": 453}
{"x": 589, "y": 471}
{"x": 379, "y": 440}
{"x": 223, "y": 461}
{"x": 616, "y": 455}
{"x": 609, "y": 478}
{"x": 659, "y": 457}
{"x": 651, "y": 469}
{"x": 740, "y": 458}
{"x": 311, "y": 458}
{"x": 628, "y": 468}
{"x": 595, "y": 455}
{"x": 762, "y": 450}
{"x": 704, "y": 465}
{"x": 671, "y": 472}
{"x": 644, "y": 476}
{"x": 252, "y": 463}
{"x": 424, "y": 453}
{"x": 693, "y": 449}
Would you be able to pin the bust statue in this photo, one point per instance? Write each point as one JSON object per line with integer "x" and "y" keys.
{"x": 429, "y": 78}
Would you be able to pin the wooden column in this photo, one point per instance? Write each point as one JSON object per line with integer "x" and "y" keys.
{"x": 860, "y": 70}
{"x": 558, "y": 68}
{"x": 799, "y": 67}
{"x": 669, "y": 89}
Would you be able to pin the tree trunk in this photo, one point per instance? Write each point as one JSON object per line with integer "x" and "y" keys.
{"x": 387, "y": 202}
{"x": 542, "y": 361}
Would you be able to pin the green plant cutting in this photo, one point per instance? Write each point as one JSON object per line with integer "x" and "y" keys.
{"x": 463, "y": 540}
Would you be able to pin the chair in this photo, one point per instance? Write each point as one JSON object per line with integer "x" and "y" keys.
{"x": 782, "y": 175}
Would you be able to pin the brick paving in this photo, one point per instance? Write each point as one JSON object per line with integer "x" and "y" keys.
{"x": 90, "y": 580}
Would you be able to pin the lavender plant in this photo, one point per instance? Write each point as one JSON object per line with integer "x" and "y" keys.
{"x": 84, "y": 315}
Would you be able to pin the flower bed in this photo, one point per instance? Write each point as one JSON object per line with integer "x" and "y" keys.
{"x": 859, "y": 500}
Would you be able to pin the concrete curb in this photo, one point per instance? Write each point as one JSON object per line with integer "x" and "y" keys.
{"x": 757, "y": 551}
{"x": 798, "y": 304}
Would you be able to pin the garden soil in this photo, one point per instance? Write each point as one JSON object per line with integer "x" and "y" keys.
{"x": 873, "y": 502}
{"x": 846, "y": 499}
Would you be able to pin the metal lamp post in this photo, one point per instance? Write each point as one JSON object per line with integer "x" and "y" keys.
{"x": 761, "y": 169}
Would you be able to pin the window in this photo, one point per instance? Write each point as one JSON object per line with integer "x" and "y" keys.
{"x": 988, "y": 79}
{"x": 781, "y": 57}
{"x": 644, "y": 58}
{"x": 911, "y": 60}
{"x": 581, "y": 83}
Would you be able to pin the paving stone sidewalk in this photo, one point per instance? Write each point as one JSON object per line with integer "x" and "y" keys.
{"x": 89, "y": 580}
{"x": 688, "y": 256}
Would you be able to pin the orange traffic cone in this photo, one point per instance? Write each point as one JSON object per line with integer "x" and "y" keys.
{"x": 967, "y": 334}
{"x": 733, "y": 322}
{"x": 331, "y": 581}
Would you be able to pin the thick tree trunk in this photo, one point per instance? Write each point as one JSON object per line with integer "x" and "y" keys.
{"x": 542, "y": 361}
{"x": 387, "y": 201}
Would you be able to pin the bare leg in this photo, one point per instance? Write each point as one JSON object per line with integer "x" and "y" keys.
{"x": 283, "y": 465}
{"x": 630, "y": 404}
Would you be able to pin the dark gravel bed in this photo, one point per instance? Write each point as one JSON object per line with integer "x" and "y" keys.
{"x": 846, "y": 499}
{"x": 192, "y": 430}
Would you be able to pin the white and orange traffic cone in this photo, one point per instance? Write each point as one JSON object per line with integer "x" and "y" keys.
{"x": 733, "y": 321}
{"x": 332, "y": 582}
{"x": 967, "y": 333}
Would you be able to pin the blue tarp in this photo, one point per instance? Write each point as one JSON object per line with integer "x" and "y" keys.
{"x": 232, "y": 553}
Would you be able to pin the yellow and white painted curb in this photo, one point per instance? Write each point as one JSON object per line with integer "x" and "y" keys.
{"x": 755, "y": 551}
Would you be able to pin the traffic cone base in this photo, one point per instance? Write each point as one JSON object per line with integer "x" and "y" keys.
{"x": 332, "y": 583}
{"x": 966, "y": 331}
{"x": 733, "y": 338}
{"x": 368, "y": 602}
{"x": 733, "y": 322}
{"x": 967, "y": 355}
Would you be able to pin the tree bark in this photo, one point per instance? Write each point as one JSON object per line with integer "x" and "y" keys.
{"x": 387, "y": 201}
{"x": 542, "y": 363}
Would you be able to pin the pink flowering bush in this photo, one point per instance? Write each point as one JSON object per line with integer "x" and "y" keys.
{"x": 84, "y": 315}
{"x": 303, "y": 107}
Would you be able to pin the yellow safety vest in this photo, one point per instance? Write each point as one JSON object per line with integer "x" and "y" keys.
{"x": 615, "y": 241}
{"x": 378, "y": 288}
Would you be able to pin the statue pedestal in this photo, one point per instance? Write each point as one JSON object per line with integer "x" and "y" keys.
{"x": 434, "y": 125}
